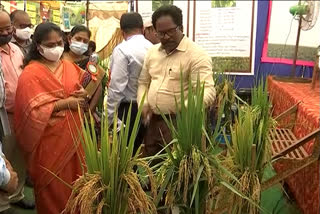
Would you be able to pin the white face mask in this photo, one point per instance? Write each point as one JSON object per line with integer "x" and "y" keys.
{"x": 78, "y": 48}
{"x": 24, "y": 33}
{"x": 52, "y": 54}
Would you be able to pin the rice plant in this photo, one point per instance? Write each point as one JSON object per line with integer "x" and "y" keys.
{"x": 188, "y": 173}
{"x": 264, "y": 122}
{"x": 111, "y": 184}
{"x": 225, "y": 101}
{"x": 249, "y": 152}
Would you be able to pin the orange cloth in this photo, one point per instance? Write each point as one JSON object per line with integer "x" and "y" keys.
{"x": 46, "y": 138}
{"x": 283, "y": 96}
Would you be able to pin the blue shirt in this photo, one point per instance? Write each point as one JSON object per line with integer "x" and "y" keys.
{"x": 126, "y": 64}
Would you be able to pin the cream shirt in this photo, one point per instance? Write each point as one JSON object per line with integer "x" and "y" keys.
{"x": 160, "y": 75}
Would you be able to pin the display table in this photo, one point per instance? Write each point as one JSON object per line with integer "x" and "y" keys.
{"x": 304, "y": 184}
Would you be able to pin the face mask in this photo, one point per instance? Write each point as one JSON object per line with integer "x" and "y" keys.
{"x": 5, "y": 39}
{"x": 52, "y": 54}
{"x": 78, "y": 48}
{"x": 24, "y": 34}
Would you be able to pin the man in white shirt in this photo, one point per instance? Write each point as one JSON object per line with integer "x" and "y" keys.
{"x": 126, "y": 64}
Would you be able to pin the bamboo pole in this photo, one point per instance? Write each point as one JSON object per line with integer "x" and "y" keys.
{"x": 87, "y": 13}
{"x": 316, "y": 70}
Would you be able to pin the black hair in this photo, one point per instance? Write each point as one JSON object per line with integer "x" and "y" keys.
{"x": 76, "y": 29}
{"x": 130, "y": 21}
{"x": 92, "y": 45}
{"x": 41, "y": 33}
{"x": 168, "y": 10}
{"x": 80, "y": 28}
{"x": 15, "y": 13}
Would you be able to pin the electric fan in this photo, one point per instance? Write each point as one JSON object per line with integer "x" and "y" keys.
{"x": 306, "y": 12}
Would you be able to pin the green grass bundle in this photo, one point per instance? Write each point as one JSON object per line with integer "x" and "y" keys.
{"x": 111, "y": 185}
{"x": 249, "y": 152}
{"x": 264, "y": 122}
{"x": 187, "y": 173}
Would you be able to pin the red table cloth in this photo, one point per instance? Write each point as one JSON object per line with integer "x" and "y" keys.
{"x": 304, "y": 184}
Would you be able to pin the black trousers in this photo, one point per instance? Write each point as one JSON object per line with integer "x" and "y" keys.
{"x": 123, "y": 110}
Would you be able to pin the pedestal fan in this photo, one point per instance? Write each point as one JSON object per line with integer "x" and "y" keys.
{"x": 306, "y": 12}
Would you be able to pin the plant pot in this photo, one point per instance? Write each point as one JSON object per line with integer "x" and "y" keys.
{"x": 245, "y": 94}
{"x": 222, "y": 140}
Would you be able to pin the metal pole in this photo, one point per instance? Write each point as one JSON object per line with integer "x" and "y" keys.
{"x": 293, "y": 68}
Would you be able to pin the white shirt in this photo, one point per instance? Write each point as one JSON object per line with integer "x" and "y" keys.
{"x": 126, "y": 64}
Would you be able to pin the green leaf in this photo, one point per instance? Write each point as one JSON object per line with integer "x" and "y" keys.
{"x": 195, "y": 187}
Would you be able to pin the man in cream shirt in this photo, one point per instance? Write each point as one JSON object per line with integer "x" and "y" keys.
{"x": 160, "y": 75}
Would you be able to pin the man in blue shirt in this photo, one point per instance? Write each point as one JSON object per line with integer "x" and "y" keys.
{"x": 126, "y": 64}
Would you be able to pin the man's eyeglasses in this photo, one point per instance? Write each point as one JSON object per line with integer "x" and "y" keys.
{"x": 169, "y": 32}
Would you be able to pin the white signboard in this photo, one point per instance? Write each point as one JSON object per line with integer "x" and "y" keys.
{"x": 226, "y": 29}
